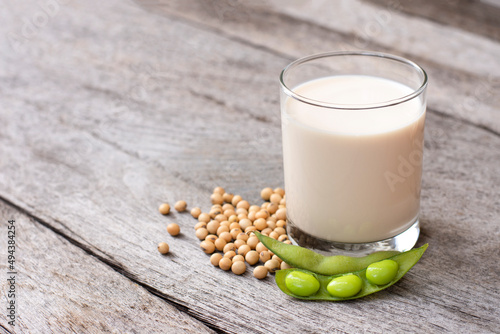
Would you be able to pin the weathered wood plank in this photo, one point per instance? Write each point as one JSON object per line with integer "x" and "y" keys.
{"x": 92, "y": 157}
{"x": 461, "y": 14}
{"x": 464, "y": 68}
{"x": 61, "y": 289}
{"x": 138, "y": 85}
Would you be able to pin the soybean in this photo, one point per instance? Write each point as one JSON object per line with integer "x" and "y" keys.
{"x": 225, "y": 263}
{"x": 238, "y": 267}
{"x": 227, "y": 197}
{"x": 173, "y": 229}
{"x": 284, "y": 265}
{"x": 201, "y": 233}
{"x": 163, "y": 248}
{"x": 244, "y": 249}
{"x": 195, "y": 212}
{"x": 238, "y": 258}
{"x": 164, "y": 209}
{"x": 272, "y": 266}
{"x": 220, "y": 243}
{"x": 204, "y": 217}
{"x": 238, "y": 243}
{"x": 230, "y": 255}
{"x": 226, "y": 236}
{"x": 180, "y": 206}
{"x": 229, "y": 247}
{"x": 265, "y": 256}
{"x": 216, "y": 198}
{"x": 252, "y": 242}
{"x": 207, "y": 246}
{"x": 211, "y": 238}
{"x": 382, "y": 272}
{"x": 252, "y": 257}
{"x": 260, "y": 272}
{"x": 219, "y": 190}
{"x": 301, "y": 283}
{"x": 266, "y": 193}
{"x": 215, "y": 259}
{"x": 345, "y": 286}
{"x": 213, "y": 226}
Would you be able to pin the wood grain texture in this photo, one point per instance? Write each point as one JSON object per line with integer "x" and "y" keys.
{"x": 108, "y": 112}
{"x": 464, "y": 68}
{"x": 460, "y": 14}
{"x": 61, "y": 289}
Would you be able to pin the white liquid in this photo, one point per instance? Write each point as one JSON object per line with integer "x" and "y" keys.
{"x": 353, "y": 175}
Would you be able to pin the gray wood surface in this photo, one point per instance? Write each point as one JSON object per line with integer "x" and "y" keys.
{"x": 61, "y": 288}
{"x": 110, "y": 108}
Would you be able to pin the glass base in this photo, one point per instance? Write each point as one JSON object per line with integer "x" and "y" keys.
{"x": 401, "y": 242}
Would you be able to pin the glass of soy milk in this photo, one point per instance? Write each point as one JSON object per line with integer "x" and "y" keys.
{"x": 353, "y": 132}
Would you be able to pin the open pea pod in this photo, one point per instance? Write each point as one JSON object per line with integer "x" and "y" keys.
{"x": 304, "y": 258}
{"x": 405, "y": 261}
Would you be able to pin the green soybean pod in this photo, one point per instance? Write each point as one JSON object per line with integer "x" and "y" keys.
{"x": 404, "y": 260}
{"x": 304, "y": 258}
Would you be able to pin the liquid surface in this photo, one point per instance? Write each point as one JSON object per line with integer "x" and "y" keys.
{"x": 353, "y": 175}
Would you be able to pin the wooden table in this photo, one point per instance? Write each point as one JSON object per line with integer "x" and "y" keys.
{"x": 109, "y": 108}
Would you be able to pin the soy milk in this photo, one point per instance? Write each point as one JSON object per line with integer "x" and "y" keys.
{"x": 353, "y": 175}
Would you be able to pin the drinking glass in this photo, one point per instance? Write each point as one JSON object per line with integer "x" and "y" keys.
{"x": 353, "y": 132}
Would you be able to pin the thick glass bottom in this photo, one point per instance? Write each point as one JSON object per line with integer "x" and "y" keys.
{"x": 401, "y": 242}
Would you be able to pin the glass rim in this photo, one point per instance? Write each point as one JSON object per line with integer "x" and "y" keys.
{"x": 289, "y": 91}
